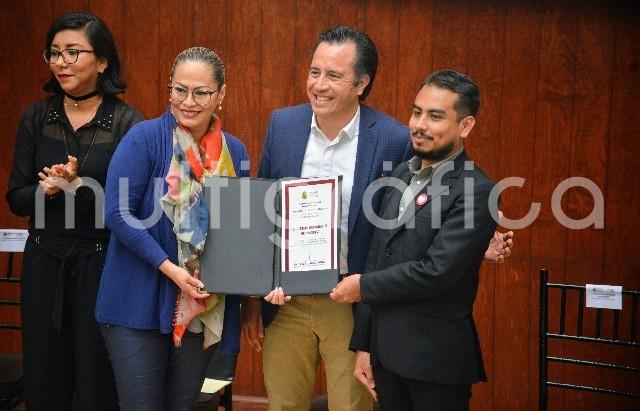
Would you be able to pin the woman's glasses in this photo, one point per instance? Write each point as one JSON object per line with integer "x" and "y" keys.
{"x": 200, "y": 97}
{"x": 69, "y": 56}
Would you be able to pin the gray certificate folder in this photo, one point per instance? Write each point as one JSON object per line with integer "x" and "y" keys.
{"x": 242, "y": 254}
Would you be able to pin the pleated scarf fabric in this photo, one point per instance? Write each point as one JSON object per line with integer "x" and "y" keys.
{"x": 184, "y": 204}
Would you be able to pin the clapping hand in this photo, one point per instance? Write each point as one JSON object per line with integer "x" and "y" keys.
{"x": 68, "y": 171}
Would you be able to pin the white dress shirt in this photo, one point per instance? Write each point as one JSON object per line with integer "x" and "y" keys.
{"x": 337, "y": 157}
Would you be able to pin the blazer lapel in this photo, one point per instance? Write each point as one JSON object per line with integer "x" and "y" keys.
{"x": 298, "y": 142}
{"x": 444, "y": 187}
{"x": 367, "y": 143}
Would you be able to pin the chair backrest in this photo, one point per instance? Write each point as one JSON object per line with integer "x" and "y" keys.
{"x": 9, "y": 278}
{"x": 614, "y": 337}
{"x": 11, "y": 372}
{"x": 11, "y": 243}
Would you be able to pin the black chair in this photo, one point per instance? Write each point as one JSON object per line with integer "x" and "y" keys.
{"x": 11, "y": 372}
{"x": 598, "y": 338}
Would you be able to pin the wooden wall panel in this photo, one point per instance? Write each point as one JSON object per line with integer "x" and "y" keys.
{"x": 513, "y": 330}
{"x": 306, "y": 36}
{"x": 382, "y": 27}
{"x": 65, "y": 6}
{"x": 350, "y": 13}
{"x": 175, "y": 34}
{"x": 10, "y": 340}
{"x": 209, "y": 21}
{"x": 451, "y": 21}
{"x": 114, "y": 15}
{"x": 11, "y": 89}
{"x": 487, "y": 37}
{"x": 22, "y": 80}
{"x": 243, "y": 64}
{"x": 553, "y": 119}
{"x": 559, "y": 82}
{"x": 622, "y": 195}
{"x": 277, "y": 57}
{"x": 593, "y": 60}
{"x": 415, "y": 56}
{"x": 17, "y": 97}
{"x": 140, "y": 54}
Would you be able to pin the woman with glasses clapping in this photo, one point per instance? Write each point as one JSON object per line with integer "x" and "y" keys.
{"x": 63, "y": 148}
{"x": 158, "y": 327}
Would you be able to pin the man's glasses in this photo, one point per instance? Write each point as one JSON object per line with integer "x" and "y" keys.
{"x": 69, "y": 56}
{"x": 201, "y": 97}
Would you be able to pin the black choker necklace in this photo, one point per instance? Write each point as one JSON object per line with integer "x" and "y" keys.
{"x": 81, "y": 98}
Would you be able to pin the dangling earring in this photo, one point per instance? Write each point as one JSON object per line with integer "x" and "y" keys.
{"x": 220, "y": 106}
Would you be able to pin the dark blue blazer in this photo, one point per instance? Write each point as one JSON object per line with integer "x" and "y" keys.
{"x": 381, "y": 139}
{"x": 421, "y": 280}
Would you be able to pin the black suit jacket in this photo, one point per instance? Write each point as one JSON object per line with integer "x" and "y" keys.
{"x": 420, "y": 283}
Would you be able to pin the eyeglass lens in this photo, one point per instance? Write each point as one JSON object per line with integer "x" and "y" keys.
{"x": 69, "y": 56}
{"x": 201, "y": 97}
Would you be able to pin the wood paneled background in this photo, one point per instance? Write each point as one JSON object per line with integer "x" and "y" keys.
{"x": 560, "y": 82}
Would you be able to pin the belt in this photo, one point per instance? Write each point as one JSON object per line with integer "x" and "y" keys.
{"x": 74, "y": 250}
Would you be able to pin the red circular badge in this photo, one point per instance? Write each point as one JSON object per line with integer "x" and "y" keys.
{"x": 421, "y": 199}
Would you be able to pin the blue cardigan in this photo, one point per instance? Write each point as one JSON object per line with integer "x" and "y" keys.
{"x": 133, "y": 292}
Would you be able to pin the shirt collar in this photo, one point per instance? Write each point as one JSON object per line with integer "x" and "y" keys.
{"x": 103, "y": 118}
{"x": 415, "y": 164}
{"x": 351, "y": 130}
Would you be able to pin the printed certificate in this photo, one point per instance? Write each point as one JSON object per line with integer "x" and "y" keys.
{"x": 310, "y": 221}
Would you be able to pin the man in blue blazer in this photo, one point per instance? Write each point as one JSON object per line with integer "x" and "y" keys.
{"x": 332, "y": 135}
{"x": 335, "y": 134}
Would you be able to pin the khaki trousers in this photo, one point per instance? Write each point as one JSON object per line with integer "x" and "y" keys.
{"x": 306, "y": 329}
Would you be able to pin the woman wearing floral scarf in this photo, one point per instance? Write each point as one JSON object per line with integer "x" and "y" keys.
{"x": 157, "y": 325}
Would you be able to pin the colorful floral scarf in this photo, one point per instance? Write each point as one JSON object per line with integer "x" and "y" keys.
{"x": 190, "y": 166}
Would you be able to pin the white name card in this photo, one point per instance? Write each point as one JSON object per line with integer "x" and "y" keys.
{"x": 12, "y": 240}
{"x": 604, "y": 296}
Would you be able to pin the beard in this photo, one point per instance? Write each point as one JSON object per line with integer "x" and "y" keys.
{"x": 435, "y": 155}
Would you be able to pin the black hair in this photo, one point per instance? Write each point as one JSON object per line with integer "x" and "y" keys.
{"x": 103, "y": 46}
{"x": 366, "y": 61}
{"x": 202, "y": 55}
{"x": 468, "y": 92}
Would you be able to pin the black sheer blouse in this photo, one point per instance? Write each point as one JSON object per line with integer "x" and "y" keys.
{"x": 45, "y": 137}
